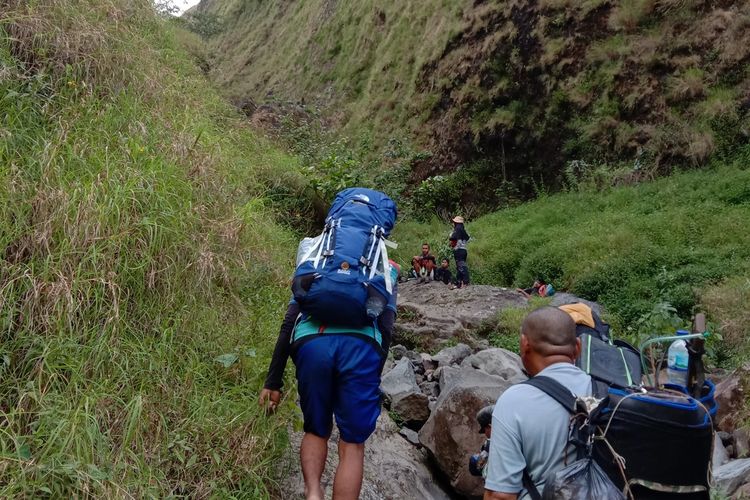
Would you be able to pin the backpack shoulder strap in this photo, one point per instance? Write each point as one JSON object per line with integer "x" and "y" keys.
{"x": 555, "y": 390}
{"x": 567, "y": 400}
{"x": 530, "y": 487}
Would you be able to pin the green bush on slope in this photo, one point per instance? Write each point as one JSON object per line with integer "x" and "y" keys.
{"x": 135, "y": 248}
{"x": 629, "y": 248}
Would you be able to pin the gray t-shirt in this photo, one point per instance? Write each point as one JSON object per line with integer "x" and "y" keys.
{"x": 530, "y": 429}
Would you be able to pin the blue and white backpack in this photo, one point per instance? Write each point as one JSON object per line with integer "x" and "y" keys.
{"x": 343, "y": 276}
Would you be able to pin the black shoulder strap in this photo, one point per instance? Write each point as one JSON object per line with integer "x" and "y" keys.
{"x": 530, "y": 487}
{"x": 567, "y": 400}
{"x": 555, "y": 390}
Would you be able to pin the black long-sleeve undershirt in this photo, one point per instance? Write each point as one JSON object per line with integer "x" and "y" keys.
{"x": 275, "y": 377}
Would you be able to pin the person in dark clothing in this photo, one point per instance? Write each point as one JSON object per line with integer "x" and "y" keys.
{"x": 458, "y": 241}
{"x": 443, "y": 273}
{"x": 338, "y": 374}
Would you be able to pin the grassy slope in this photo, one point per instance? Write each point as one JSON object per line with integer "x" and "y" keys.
{"x": 135, "y": 247}
{"x": 524, "y": 86}
{"x": 366, "y": 55}
{"x": 681, "y": 239}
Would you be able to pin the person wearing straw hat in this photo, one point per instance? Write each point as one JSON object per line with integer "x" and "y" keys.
{"x": 458, "y": 240}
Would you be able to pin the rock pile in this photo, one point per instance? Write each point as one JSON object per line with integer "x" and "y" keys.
{"x": 440, "y": 395}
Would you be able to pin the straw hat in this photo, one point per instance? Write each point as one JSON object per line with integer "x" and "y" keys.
{"x": 458, "y": 219}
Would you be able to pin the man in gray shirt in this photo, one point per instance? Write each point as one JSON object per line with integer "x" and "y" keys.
{"x": 529, "y": 428}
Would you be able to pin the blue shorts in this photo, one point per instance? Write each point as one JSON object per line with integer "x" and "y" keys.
{"x": 339, "y": 375}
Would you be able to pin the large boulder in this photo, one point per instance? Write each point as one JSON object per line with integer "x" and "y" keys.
{"x": 399, "y": 381}
{"x": 503, "y": 363}
{"x": 451, "y": 434}
{"x": 733, "y": 398}
{"x": 431, "y": 313}
{"x": 732, "y": 475}
{"x": 394, "y": 468}
{"x": 720, "y": 455}
{"x": 403, "y": 395}
{"x": 452, "y": 355}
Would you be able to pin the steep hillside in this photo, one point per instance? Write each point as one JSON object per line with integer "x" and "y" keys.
{"x": 522, "y": 94}
{"x": 141, "y": 271}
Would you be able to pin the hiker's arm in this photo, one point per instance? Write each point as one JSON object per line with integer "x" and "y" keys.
{"x": 386, "y": 320}
{"x": 506, "y": 462}
{"x": 274, "y": 380}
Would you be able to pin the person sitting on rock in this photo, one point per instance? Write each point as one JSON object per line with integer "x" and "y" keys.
{"x": 424, "y": 264}
{"x": 529, "y": 428}
{"x": 443, "y": 273}
{"x": 538, "y": 289}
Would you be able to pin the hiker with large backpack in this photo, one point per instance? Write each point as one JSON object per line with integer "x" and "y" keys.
{"x": 624, "y": 440}
{"x": 529, "y": 429}
{"x": 337, "y": 329}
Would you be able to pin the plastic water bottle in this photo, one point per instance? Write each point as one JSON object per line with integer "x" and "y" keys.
{"x": 375, "y": 305}
{"x": 677, "y": 361}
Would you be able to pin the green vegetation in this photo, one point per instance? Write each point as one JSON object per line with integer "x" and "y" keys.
{"x": 503, "y": 96}
{"x": 141, "y": 271}
{"x": 679, "y": 240}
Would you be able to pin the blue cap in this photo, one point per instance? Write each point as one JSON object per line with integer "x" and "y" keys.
{"x": 683, "y": 332}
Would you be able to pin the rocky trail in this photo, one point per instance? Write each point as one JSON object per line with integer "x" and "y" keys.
{"x": 427, "y": 430}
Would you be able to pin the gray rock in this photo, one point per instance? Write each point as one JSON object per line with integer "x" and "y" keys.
{"x": 416, "y": 361}
{"x": 413, "y": 408}
{"x": 428, "y": 363}
{"x": 732, "y": 475}
{"x": 437, "y": 314}
{"x": 394, "y": 468}
{"x": 448, "y": 376}
{"x": 403, "y": 395}
{"x": 430, "y": 388}
{"x": 452, "y": 355}
{"x": 726, "y": 437}
{"x": 742, "y": 493}
{"x": 398, "y": 352}
{"x": 742, "y": 442}
{"x": 387, "y": 366}
{"x": 505, "y": 364}
{"x": 410, "y": 435}
{"x": 451, "y": 433}
{"x": 399, "y": 381}
{"x": 720, "y": 455}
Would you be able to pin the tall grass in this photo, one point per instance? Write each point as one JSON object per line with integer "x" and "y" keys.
{"x": 136, "y": 246}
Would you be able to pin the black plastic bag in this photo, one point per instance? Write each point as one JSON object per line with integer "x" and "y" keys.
{"x": 581, "y": 480}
